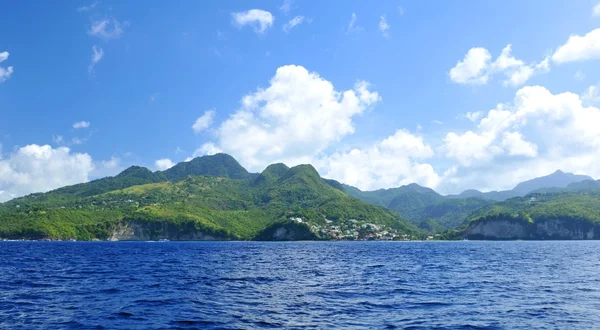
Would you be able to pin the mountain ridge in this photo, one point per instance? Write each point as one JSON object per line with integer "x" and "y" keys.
{"x": 137, "y": 204}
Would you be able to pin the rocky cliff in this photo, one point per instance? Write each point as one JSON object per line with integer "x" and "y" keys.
{"x": 135, "y": 231}
{"x": 544, "y": 229}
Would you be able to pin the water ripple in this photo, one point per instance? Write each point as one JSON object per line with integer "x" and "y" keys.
{"x": 249, "y": 285}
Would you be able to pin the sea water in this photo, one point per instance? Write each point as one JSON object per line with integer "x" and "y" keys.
{"x": 249, "y": 285}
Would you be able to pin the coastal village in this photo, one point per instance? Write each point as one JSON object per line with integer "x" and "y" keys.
{"x": 353, "y": 230}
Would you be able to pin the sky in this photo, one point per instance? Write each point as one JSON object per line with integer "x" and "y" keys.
{"x": 449, "y": 95}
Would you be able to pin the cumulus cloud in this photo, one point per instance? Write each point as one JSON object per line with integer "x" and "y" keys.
{"x": 297, "y": 116}
{"x": 81, "y": 124}
{"x": 591, "y": 95}
{"x": 596, "y": 10}
{"x": 515, "y": 145}
{"x": 36, "y": 168}
{"x": 383, "y": 26}
{"x": 108, "y": 28}
{"x": 203, "y": 122}
{"x": 477, "y": 67}
{"x": 394, "y": 161}
{"x": 163, "y": 164}
{"x": 538, "y": 133}
{"x": 473, "y": 69}
{"x": 579, "y": 48}
{"x": 260, "y": 20}
{"x": 97, "y": 54}
{"x": 292, "y": 23}
{"x": 5, "y": 72}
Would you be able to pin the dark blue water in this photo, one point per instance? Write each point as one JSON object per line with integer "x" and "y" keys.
{"x": 299, "y": 285}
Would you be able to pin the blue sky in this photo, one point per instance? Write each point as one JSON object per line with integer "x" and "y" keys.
{"x": 161, "y": 66}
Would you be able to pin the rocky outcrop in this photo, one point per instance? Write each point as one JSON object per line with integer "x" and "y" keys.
{"x": 138, "y": 231}
{"x": 543, "y": 229}
{"x": 287, "y": 231}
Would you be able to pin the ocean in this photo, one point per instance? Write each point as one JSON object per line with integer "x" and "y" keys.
{"x": 322, "y": 285}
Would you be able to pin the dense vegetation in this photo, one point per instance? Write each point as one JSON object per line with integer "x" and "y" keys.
{"x": 422, "y": 206}
{"x": 216, "y": 197}
{"x": 579, "y": 206}
{"x": 222, "y": 207}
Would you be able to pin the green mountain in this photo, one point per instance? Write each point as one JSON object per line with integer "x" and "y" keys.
{"x": 563, "y": 215}
{"x": 220, "y": 165}
{"x": 134, "y": 175}
{"x": 184, "y": 203}
{"x": 582, "y": 186}
{"x": 419, "y": 205}
{"x": 497, "y": 196}
{"x": 552, "y": 182}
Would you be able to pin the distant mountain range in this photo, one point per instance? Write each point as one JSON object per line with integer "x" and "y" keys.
{"x": 421, "y": 205}
{"x": 558, "y": 179}
{"x": 214, "y": 197}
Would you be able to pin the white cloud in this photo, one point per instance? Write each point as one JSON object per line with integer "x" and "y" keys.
{"x": 106, "y": 168}
{"x": 292, "y": 23}
{"x": 203, "y": 122}
{"x": 394, "y": 161}
{"x": 514, "y": 143}
{"x": 477, "y": 67}
{"x": 383, "y": 26}
{"x": 81, "y": 124}
{"x": 163, "y": 164}
{"x": 537, "y": 134}
{"x": 259, "y": 19}
{"x": 206, "y": 149}
{"x": 36, "y": 168}
{"x": 469, "y": 147}
{"x": 296, "y": 117}
{"x": 473, "y": 116}
{"x": 5, "y": 73}
{"x": 579, "y": 48}
{"x": 352, "y": 27}
{"x": 84, "y": 9}
{"x": 97, "y": 54}
{"x": 596, "y": 10}
{"x": 113, "y": 162}
{"x": 287, "y": 6}
{"x": 591, "y": 95}
{"x": 59, "y": 140}
{"x": 473, "y": 68}
{"x": 108, "y": 28}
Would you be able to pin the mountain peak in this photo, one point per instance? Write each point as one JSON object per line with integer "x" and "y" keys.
{"x": 136, "y": 171}
{"x": 304, "y": 169}
{"x": 221, "y": 165}
{"x": 272, "y": 173}
{"x": 558, "y": 179}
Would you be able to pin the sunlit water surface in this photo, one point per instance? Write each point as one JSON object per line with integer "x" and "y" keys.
{"x": 248, "y": 285}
